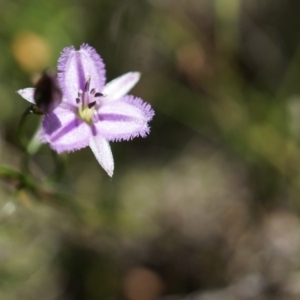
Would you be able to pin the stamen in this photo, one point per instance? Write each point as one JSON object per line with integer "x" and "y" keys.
{"x": 87, "y": 84}
{"x": 77, "y": 100}
{"x": 92, "y": 104}
{"x": 98, "y": 95}
{"x": 93, "y": 91}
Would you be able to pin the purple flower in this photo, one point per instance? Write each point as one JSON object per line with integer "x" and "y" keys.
{"x": 92, "y": 113}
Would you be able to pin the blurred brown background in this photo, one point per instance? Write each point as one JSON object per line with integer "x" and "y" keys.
{"x": 207, "y": 207}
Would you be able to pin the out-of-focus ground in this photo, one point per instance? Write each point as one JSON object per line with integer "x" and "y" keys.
{"x": 207, "y": 207}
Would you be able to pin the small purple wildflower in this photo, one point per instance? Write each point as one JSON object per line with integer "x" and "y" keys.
{"x": 92, "y": 113}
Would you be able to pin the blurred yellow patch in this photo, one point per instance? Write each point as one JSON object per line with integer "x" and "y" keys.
{"x": 31, "y": 51}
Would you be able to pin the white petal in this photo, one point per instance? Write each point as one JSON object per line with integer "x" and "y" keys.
{"x": 102, "y": 151}
{"x": 27, "y": 94}
{"x": 120, "y": 86}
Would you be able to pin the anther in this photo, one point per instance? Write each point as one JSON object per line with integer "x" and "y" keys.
{"x": 87, "y": 84}
{"x": 98, "y": 95}
{"x": 93, "y": 91}
{"x": 92, "y": 104}
{"x": 77, "y": 100}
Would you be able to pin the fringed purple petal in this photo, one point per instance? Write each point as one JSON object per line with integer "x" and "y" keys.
{"x": 103, "y": 154}
{"x": 124, "y": 119}
{"x": 27, "y": 94}
{"x": 76, "y": 66}
{"x": 64, "y": 131}
{"x": 119, "y": 87}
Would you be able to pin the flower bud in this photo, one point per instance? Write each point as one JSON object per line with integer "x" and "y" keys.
{"x": 47, "y": 95}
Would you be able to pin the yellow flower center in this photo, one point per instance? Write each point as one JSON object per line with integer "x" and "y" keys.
{"x": 86, "y": 114}
{"x": 86, "y": 101}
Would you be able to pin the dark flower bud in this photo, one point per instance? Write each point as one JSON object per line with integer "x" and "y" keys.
{"x": 47, "y": 95}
